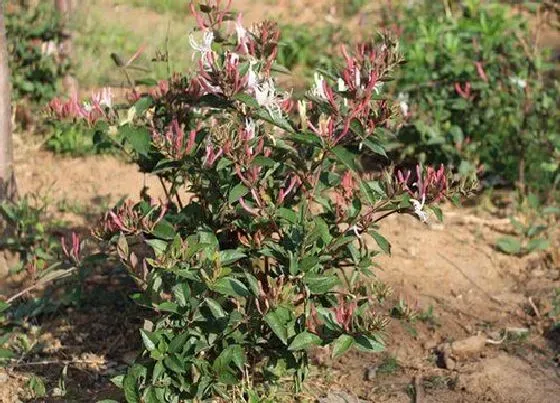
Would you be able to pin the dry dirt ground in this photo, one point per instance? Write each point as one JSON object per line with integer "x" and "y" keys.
{"x": 449, "y": 269}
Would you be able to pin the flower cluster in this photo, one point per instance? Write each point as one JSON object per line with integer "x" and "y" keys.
{"x": 429, "y": 186}
{"x": 90, "y": 111}
{"x": 128, "y": 219}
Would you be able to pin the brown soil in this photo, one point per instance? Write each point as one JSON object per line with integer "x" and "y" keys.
{"x": 451, "y": 267}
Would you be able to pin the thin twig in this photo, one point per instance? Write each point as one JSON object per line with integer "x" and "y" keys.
{"x": 17, "y": 363}
{"x": 534, "y": 307}
{"x": 418, "y": 390}
{"x": 22, "y": 292}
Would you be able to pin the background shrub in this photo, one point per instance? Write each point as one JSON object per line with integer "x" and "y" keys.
{"x": 477, "y": 95}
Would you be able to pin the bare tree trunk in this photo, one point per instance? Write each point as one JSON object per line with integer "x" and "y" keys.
{"x": 7, "y": 178}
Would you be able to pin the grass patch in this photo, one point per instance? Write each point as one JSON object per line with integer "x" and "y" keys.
{"x": 180, "y": 7}
{"x": 104, "y": 29}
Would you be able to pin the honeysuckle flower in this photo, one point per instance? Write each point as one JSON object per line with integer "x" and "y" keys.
{"x": 318, "y": 86}
{"x": 242, "y": 36}
{"x": 302, "y": 109}
{"x": 250, "y": 128}
{"x": 203, "y": 47}
{"x": 211, "y": 155}
{"x": 354, "y": 228}
{"x": 419, "y": 209}
{"x": 72, "y": 253}
{"x": 521, "y": 83}
{"x": 481, "y": 72}
{"x": 463, "y": 93}
{"x": 252, "y": 77}
{"x": 403, "y": 104}
{"x": 294, "y": 181}
{"x": 266, "y": 96}
{"x": 104, "y": 98}
{"x": 341, "y": 85}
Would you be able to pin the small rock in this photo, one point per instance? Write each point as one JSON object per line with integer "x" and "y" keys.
{"x": 430, "y": 345}
{"x": 3, "y": 377}
{"x": 371, "y": 373}
{"x": 538, "y": 273}
{"x": 449, "y": 363}
{"x": 469, "y": 346}
{"x": 340, "y": 397}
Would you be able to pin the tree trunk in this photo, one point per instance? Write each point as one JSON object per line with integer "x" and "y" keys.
{"x": 64, "y": 8}
{"x": 7, "y": 178}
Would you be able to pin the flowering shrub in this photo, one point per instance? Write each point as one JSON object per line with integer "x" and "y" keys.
{"x": 34, "y": 38}
{"x": 475, "y": 94}
{"x": 265, "y": 243}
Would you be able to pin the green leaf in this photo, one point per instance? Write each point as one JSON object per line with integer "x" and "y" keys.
{"x": 150, "y": 339}
{"x": 176, "y": 345}
{"x": 318, "y": 284}
{"x": 287, "y": 214}
{"x": 369, "y": 344}
{"x": 375, "y": 147}
{"x": 509, "y": 245}
{"x": 230, "y": 256}
{"x": 253, "y": 283}
{"x": 230, "y": 287}
{"x": 6, "y": 354}
{"x": 538, "y": 244}
{"x": 168, "y": 307}
{"x": 215, "y": 308}
{"x": 341, "y": 345}
{"x": 174, "y": 364}
{"x": 164, "y": 230}
{"x": 130, "y": 383}
{"x": 438, "y": 213}
{"x": 346, "y": 157}
{"x": 118, "y": 381}
{"x": 381, "y": 242}
{"x": 237, "y": 192}
{"x": 4, "y": 306}
{"x": 277, "y": 325}
{"x": 246, "y": 99}
{"x": 306, "y": 138}
{"x": 182, "y": 293}
{"x": 138, "y": 137}
{"x": 303, "y": 341}
{"x": 142, "y": 105}
{"x": 37, "y": 387}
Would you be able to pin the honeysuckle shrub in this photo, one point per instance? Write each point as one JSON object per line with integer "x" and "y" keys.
{"x": 34, "y": 37}
{"x": 265, "y": 243}
{"x": 476, "y": 94}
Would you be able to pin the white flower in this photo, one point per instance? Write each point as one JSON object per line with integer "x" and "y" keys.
{"x": 356, "y": 231}
{"x": 241, "y": 33}
{"x": 205, "y": 46}
{"x": 402, "y": 98}
{"x": 358, "y": 78}
{"x": 521, "y": 83}
{"x": 234, "y": 57}
{"x": 48, "y": 48}
{"x": 252, "y": 78}
{"x": 87, "y": 106}
{"x": 250, "y": 128}
{"x": 103, "y": 98}
{"x": 419, "y": 209}
{"x": 318, "y": 86}
{"x": 265, "y": 93}
{"x": 341, "y": 85}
